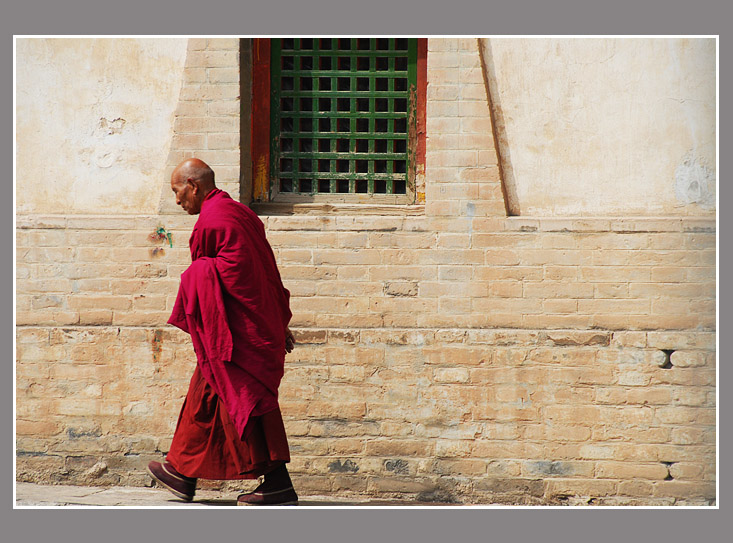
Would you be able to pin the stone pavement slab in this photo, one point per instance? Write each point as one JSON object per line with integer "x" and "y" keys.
{"x": 34, "y": 495}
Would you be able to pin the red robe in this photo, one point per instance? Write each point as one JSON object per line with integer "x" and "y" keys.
{"x": 233, "y": 304}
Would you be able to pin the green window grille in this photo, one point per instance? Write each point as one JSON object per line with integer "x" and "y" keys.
{"x": 343, "y": 117}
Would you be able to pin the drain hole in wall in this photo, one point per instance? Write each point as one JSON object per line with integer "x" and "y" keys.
{"x": 667, "y": 359}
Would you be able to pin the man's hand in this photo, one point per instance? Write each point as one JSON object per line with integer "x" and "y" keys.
{"x": 289, "y": 340}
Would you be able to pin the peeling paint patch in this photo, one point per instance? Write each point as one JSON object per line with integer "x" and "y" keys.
{"x": 105, "y": 158}
{"x": 114, "y": 126}
{"x": 694, "y": 183}
{"x": 260, "y": 180}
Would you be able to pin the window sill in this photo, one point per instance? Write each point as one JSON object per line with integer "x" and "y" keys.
{"x": 289, "y": 208}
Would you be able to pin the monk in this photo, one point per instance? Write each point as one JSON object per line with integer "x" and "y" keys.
{"x": 232, "y": 302}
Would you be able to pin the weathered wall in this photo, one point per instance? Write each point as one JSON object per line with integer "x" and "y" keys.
{"x": 456, "y": 354}
{"x": 94, "y": 122}
{"x": 207, "y": 118}
{"x": 620, "y": 126}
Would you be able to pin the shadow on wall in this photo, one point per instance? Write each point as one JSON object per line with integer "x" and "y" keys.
{"x": 506, "y": 173}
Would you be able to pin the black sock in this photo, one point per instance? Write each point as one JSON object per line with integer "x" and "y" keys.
{"x": 278, "y": 478}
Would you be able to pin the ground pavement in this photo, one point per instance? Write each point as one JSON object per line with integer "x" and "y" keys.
{"x": 33, "y": 495}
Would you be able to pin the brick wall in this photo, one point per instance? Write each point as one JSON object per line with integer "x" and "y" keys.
{"x": 207, "y": 123}
{"x": 454, "y": 354}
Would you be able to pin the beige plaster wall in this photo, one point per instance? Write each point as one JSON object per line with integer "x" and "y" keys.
{"x": 606, "y": 126}
{"x": 94, "y": 122}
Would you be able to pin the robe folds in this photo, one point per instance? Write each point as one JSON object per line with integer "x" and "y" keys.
{"x": 207, "y": 446}
{"x": 233, "y": 304}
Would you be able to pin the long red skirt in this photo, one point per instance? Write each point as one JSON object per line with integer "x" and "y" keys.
{"x": 206, "y": 444}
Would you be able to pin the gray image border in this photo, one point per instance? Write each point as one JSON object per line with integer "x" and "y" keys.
{"x": 184, "y": 17}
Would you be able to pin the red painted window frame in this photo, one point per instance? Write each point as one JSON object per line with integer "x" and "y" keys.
{"x": 260, "y": 128}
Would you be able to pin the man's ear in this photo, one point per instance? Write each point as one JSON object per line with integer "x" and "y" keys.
{"x": 194, "y": 186}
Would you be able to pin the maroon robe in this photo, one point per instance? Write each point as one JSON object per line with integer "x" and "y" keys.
{"x": 233, "y": 304}
{"x": 206, "y": 445}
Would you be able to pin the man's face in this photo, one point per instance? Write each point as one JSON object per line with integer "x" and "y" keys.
{"x": 186, "y": 195}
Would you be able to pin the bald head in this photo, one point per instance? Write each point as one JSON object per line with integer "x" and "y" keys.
{"x": 191, "y": 182}
{"x": 197, "y": 171}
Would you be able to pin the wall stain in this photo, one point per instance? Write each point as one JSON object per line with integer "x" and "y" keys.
{"x": 694, "y": 183}
{"x": 347, "y": 466}
{"x": 157, "y": 348}
{"x": 398, "y": 466}
{"x": 260, "y": 180}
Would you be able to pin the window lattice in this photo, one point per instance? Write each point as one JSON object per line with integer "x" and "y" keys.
{"x": 342, "y": 115}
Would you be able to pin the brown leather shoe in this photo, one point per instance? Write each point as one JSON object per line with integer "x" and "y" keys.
{"x": 286, "y": 496}
{"x": 166, "y": 475}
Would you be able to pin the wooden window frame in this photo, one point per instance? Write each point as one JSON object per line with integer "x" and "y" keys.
{"x": 262, "y": 189}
